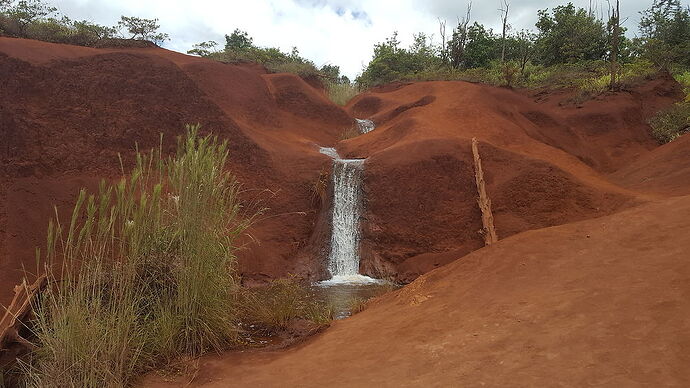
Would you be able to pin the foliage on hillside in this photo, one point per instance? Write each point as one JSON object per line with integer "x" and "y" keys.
{"x": 34, "y": 19}
{"x": 240, "y": 47}
{"x": 571, "y": 47}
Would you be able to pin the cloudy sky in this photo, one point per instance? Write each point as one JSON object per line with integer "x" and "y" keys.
{"x": 340, "y": 32}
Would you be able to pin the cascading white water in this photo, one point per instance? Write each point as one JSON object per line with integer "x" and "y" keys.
{"x": 365, "y": 126}
{"x": 343, "y": 260}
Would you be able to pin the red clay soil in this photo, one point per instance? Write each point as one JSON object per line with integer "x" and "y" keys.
{"x": 603, "y": 302}
{"x": 665, "y": 170}
{"x": 66, "y": 112}
{"x": 546, "y": 163}
{"x": 598, "y": 301}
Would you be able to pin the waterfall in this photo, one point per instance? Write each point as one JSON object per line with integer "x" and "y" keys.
{"x": 343, "y": 260}
{"x": 365, "y": 126}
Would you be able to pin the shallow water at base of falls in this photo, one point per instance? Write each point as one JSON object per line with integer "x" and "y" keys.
{"x": 343, "y": 296}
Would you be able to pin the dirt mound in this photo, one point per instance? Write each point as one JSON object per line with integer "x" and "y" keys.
{"x": 576, "y": 298}
{"x": 78, "y": 115}
{"x": 664, "y": 170}
{"x": 546, "y": 163}
{"x": 420, "y": 198}
{"x": 67, "y": 112}
{"x": 573, "y": 305}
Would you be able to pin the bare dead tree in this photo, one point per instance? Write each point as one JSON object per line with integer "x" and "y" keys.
{"x": 504, "y": 18}
{"x": 442, "y": 31}
{"x": 615, "y": 27}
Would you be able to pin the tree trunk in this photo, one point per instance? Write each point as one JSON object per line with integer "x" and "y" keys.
{"x": 615, "y": 37}
{"x": 488, "y": 229}
{"x": 505, "y": 28}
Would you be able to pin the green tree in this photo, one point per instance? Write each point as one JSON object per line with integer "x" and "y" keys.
{"x": 458, "y": 41}
{"x": 520, "y": 47}
{"x": 86, "y": 33}
{"x": 331, "y": 72}
{"x": 665, "y": 33}
{"x": 143, "y": 29}
{"x": 391, "y": 62}
{"x": 570, "y": 34}
{"x": 24, "y": 12}
{"x": 482, "y": 46}
{"x": 238, "y": 41}
{"x": 203, "y": 49}
{"x": 424, "y": 52}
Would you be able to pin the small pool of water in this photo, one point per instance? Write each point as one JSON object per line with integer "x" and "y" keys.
{"x": 347, "y": 293}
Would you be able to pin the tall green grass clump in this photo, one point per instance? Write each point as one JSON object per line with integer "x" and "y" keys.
{"x": 342, "y": 93}
{"x": 273, "y": 306}
{"x": 143, "y": 273}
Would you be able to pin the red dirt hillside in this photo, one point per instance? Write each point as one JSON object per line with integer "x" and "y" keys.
{"x": 588, "y": 285}
{"x": 546, "y": 163}
{"x": 66, "y": 112}
{"x": 601, "y": 302}
{"x": 597, "y": 302}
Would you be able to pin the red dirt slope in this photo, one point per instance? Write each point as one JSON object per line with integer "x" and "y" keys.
{"x": 602, "y": 302}
{"x": 66, "y": 112}
{"x": 546, "y": 163}
{"x": 665, "y": 170}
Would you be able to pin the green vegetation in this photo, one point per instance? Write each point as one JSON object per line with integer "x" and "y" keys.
{"x": 142, "y": 29}
{"x": 570, "y": 48}
{"x": 145, "y": 273}
{"x": 684, "y": 79}
{"x": 665, "y": 34}
{"x": 342, "y": 93}
{"x": 273, "y": 307}
{"x": 33, "y": 19}
{"x": 671, "y": 123}
{"x": 239, "y": 47}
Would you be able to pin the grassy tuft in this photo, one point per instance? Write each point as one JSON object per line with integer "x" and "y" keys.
{"x": 357, "y": 305}
{"x": 342, "y": 93}
{"x": 319, "y": 188}
{"x": 273, "y": 307}
{"x": 143, "y": 272}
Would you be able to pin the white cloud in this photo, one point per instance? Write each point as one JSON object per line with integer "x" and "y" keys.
{"x": 340, "y": 32}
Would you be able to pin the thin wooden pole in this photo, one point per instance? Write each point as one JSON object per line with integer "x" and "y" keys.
{"x": 20, "y": 307}
{"x": 488, "y": 229}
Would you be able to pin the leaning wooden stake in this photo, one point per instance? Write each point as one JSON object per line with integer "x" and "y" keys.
{"x": 484, "y": 202}
{"x": 17, "y": 312}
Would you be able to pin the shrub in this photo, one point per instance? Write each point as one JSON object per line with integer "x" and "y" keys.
{"x": 671, "y": 123}
{"x": 147, "y": 271}
{"x": 302, "y": 69}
